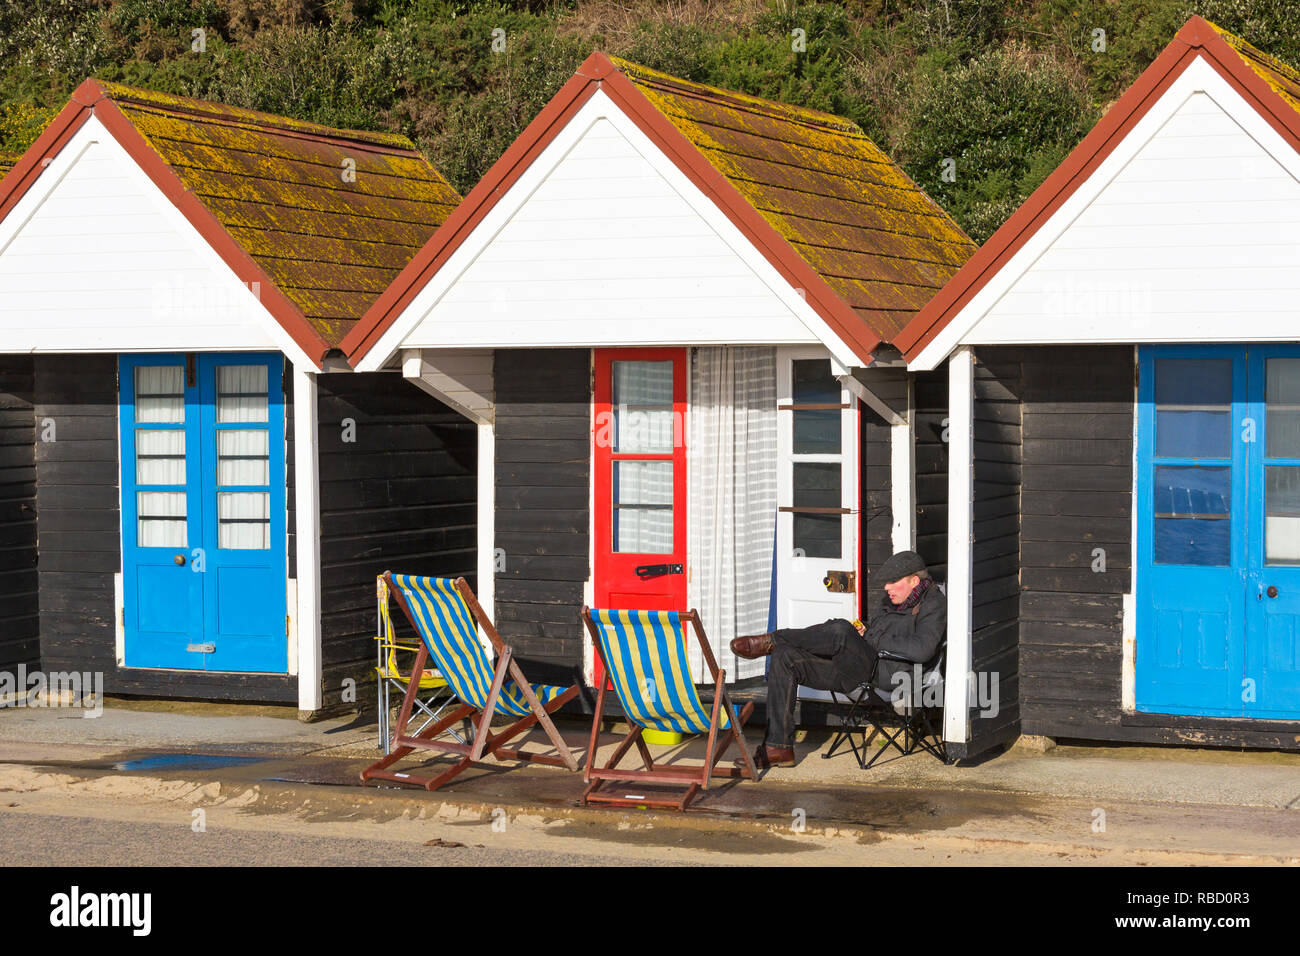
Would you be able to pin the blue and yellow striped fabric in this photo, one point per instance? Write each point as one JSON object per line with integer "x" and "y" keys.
{"x": 646, "y": 652}
{"x": 447, "y": 628}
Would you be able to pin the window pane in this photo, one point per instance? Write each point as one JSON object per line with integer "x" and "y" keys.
{"x": 1282, "y": 422}
{"x": 160, "y": 519}
{"x": 1189, "y": 491}
{"x": 813, "y": 383}
{"x": 642, "y": 403}
{"x": 817, "y": 485}
{"x": 242, "y": 457}
{"x": 160, "y": 394}
{"x": 1193, "y": 408}
{"x": 159, "y": 456}
{"x": 817, "y": 431}
{"x": 643, "y": 507}
{"x": 241, "y": 393}
{"x": 1194, "y": 381}
{"x": 643, "y": 531}
{"x": 818, "y": 536}
{"x": 244, "y": 520}
{"x": 1282, "y": 514}
{"x": 1193, "y": 434}
{"x": 1192, "y": 507}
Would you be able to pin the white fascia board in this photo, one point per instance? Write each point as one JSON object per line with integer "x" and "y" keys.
{"x": 600, "y": 106}
{"x": 240, "y": 301}
{"x": 1199, "y": 77}
{"x": 467, "y": 391}
{"x": 307, "y": 631}
{"x": 960, "y": 584}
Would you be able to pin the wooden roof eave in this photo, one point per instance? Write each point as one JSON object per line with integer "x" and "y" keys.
{"x": 90, "y": 99}
{"x": 847, "y": 325}
{"x": 1196, "y": 39}
{"x": 214, "y": 233}
{"x": 598, "y": 72}
{"x": 480, "y": 200}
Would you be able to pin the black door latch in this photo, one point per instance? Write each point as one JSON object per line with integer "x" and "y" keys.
{"x": 657, "y": 570}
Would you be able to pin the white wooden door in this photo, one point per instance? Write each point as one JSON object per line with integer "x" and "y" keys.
{"x": 817, "y": 491}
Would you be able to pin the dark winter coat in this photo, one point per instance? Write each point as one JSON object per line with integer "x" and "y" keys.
{"x": 912, "y": 633}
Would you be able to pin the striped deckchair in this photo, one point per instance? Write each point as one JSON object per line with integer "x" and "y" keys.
{"x": 644, "y": 657}
{"x": 443, "y": 613}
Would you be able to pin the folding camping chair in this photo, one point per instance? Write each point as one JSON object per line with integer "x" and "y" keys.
{"x": 870, "y": 705}
{"x": 439, "y": 609}
{"x": 433, "y": 695}
{"x": 644, "y": 657}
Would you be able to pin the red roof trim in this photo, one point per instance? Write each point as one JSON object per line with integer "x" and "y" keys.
{"x": 773, "y": 246}
{"x": 598, "y": 72}
{"x": 55, "y": 136}
{"x": 90, "y": 98}
{"x": 384, "y": 311}
{"x": 207, "y": 225}
{"x": 1195, "y": 39}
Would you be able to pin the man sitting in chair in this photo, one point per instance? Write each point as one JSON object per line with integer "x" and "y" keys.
{"x": 839, "y": 655}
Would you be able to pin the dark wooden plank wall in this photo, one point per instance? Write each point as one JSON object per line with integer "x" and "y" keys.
{"x": 19, "y": 603}
{"x": 1078, "y": 477}
{"x": 79, "y": 540}
{"x": 995, "y": 597}
{"x": 930, "y": 395}
{"x": 543, "y": 466}
{"x": 401, "y": 497}
{"x": 77, "y": 505}
{"x": 877, "y": 516}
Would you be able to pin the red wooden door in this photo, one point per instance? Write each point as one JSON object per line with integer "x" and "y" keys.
{"x": 639, "y": 465}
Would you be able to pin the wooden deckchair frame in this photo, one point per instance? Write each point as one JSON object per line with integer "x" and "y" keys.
{"x": 695, "y": 778}
{"x": 484, "y": 742}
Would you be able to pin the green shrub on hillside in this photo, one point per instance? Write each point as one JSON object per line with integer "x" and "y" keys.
{"x": 984, "y": 134}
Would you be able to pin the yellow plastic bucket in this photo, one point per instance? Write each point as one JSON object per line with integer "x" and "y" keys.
{"x": 668, "y": 738}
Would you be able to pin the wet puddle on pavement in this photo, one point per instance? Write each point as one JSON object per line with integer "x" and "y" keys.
{"x": 186, "y": 761}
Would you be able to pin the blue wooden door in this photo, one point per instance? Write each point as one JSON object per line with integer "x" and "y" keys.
{"x": 1218, "y": 531}
{"x": 1271, "y": 683}
{"x": 203, "y": 512}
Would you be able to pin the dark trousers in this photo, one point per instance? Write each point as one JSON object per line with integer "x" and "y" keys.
{"x": 829, "y": 656}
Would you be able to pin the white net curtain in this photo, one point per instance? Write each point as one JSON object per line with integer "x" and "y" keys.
{"x": 243, "y": 459}
{"x": 732, "y": 498}
{"x": 160, "y": 455}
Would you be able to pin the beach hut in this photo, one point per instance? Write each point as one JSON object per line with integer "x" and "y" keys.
{"x": 196, "y": 492}
{"x": 669, "y": 309}
{"x": 1123, "y": 360}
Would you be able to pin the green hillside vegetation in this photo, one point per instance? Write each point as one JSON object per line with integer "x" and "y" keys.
{"x": 979, "y": 101}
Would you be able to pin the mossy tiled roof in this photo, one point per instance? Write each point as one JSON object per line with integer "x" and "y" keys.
{"x": 881, "y": 243}
{"x": 285, "y": 191}
{"x": 1283, "y": 79}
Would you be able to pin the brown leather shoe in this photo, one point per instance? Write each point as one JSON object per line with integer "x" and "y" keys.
{"x": 752, "y": 647}
{"x": 767, "y": 756}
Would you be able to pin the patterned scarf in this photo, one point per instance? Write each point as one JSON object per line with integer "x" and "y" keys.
{"x": 913, "y": 599}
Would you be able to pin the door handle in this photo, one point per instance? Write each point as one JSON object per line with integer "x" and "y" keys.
{"x": 1272, "y": 590}
{"x": 644, "y": 571}
{"x": 179, "y": 559}
{"x": 840, "y": 582}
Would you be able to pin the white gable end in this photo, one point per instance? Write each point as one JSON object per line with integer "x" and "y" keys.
{"x": 95, "y": 258}
{"x": 603, "y": 242}
{"x": 1188, "y": 231}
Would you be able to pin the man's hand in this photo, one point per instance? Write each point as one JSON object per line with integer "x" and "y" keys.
{"x": 860, "y": 628}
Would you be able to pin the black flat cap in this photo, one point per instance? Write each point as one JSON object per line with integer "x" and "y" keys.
{"x": 900, "y": 566}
